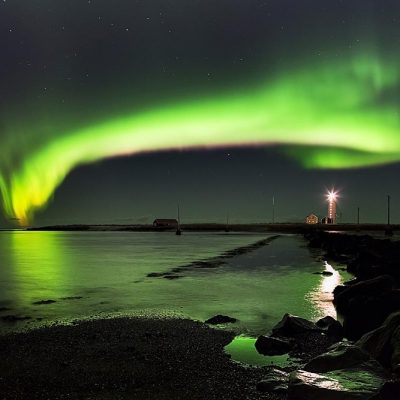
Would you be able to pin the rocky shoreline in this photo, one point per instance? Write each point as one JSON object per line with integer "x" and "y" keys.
{"x": 170, "y": 358}
{"x": 124, "y": 358}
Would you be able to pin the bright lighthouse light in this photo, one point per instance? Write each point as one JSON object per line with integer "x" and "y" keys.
{"x": 332, "y": 195}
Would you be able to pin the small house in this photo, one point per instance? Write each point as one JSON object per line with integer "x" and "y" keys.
{"x": 165, "y": 223}
{"x": 312, "y": 219}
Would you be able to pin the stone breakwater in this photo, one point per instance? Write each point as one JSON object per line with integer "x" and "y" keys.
{"x": 363, "y": 360}
{"x": 365, "y": 302}
{"x": 213, "y": 262}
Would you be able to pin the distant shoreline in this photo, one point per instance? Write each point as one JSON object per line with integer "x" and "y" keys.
{"x": 215, "y": 227}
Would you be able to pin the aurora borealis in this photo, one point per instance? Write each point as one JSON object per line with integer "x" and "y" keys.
{"x": 336, "y": 111}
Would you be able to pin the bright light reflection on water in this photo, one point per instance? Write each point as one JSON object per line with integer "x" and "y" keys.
{"x": 242, "y": 348}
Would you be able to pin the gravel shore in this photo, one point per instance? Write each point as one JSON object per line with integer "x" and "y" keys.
{"x": 124, "y": 358}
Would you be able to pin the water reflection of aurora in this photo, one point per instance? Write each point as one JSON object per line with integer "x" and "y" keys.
{"x": 333, "y": 111}
{"x": 39, "y": 264}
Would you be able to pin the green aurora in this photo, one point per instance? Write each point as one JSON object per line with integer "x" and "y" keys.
{"x": 339, "y": 114}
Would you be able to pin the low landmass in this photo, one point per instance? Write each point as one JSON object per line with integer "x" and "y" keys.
{"x": 215, "y": 227}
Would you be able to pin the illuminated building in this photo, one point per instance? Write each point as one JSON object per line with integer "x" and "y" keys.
{"x": 312, "y": 219}
{"x": 331, "y": 217}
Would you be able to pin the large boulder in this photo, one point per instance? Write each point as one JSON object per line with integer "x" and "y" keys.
{"x": 360, "y": 383}
{"x": 291, "y": 325}
{"x": 343, "y": 355}
{"x": 271, "y": 346}
{"x": 365, "y": 305}
{"x": 220, "y": 319}
{"x": 275, "y": 381}
{"x": 389, "y": 391}
{"x": 384, "y": 342}
{"x": 371, "y": 288}
{"x": 331, "y": 327}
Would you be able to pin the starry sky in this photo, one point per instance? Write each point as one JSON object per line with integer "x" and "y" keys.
{"x": 113, "y": 112}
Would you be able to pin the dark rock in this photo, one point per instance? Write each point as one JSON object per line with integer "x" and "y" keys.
{"x": 338, "y": 289}
{"x": 341, "y": 356}
{"x": 384, "y": 342}
{"x": 14, "y": 318}
{"x": 364, "y": 306}
{"x": 44, "y": 302}
{"x": 155, "y": 274}
{"x": 389, "y": 391}
{"x": 270, "y": 346}
{"x": 291, "y": 325}
{"x": 220, "y": 319}
{"x": 171, "y": 277}
{"x": 346, "y": 384}
{"x": 323, "y": 273}
{"x": 325, "y": 322}
{"x": 331, "y": 327}
{"x": 371, "y": 287}
{"x": 2, "y": 309}
{"x": 275, "y": 381}
{"x": 72, "y": 298}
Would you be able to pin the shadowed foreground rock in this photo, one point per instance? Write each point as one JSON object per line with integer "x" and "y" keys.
{"x": 384, "y": 343}
{"x": 291, "y": 325}
{"x": 271, "y": 346}
{"x": 366, "y": 304}
{"x": 343, "y": 355}
{"x": 124, "y": 358}
{"x": 350, "y": 384}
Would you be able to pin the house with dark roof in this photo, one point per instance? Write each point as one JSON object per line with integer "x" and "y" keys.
{"x": 165, "y": 222}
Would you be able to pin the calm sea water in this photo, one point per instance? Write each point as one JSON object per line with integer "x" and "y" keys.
{"x": 108, "y": 271}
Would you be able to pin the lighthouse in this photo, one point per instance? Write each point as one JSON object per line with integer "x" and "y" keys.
{"x": 332, "y": 197}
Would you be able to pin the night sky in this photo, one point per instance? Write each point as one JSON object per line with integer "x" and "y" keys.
{"x": 113, "y": 112}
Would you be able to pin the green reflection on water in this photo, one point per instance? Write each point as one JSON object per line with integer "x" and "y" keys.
{"x": 242, "y": 349}
{"x": 39, "y": 265}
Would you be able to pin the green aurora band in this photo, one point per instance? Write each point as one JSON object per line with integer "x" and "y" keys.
{"x": 332, "y": 115}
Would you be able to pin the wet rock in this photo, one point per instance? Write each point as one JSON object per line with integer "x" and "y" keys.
{"x": 44, "y": 302}
{"x": 271, "y": 346}
{"x": 341, "y": 356}
{"x": 220, "y": 319}
{"x": 72, "y": 298}
{"x": 389, "y": 391}
{"x": 155, "y": 274}
{"x": 366, "y": 304}
{"x": 275, "y": 381}
{"x": 346, "y": 384}
{"x": 172, "y": 276}
{"x": 384, "y": 343}
{"x": 323, "y": 273}
{"x": 291, "y": 325}
{"x": 371, "y": 287}
{"x": 14, "y": 318}
{"x": 331, "y": 327}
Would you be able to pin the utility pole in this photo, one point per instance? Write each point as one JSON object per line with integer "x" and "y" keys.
{"x": 388, "y": 230}
{"x": 178, "y": 230}
{"x": 273, "y": 209}
{"x": 358, "y": 215}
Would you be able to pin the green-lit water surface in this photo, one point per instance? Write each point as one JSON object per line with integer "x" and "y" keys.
{"x": 242, "y": 350}
{"x": 105, "y": 273}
